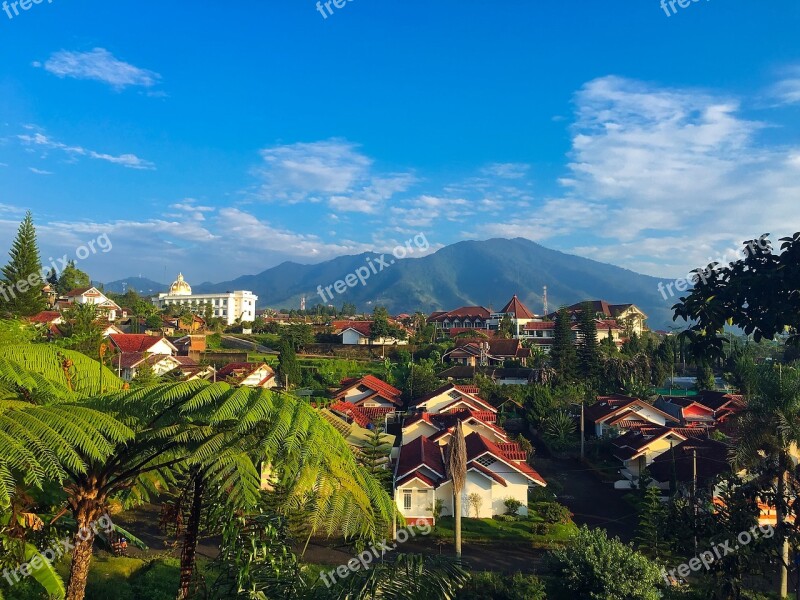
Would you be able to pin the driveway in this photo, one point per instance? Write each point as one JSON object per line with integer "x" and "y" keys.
{"x": 593, "y": 502}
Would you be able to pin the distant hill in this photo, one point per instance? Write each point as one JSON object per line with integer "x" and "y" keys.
{"x": 142, "y": 285}
{"x": 484, "y": 273}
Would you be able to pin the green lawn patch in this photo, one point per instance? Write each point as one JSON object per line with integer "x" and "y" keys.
{"x": 545, "y": 536}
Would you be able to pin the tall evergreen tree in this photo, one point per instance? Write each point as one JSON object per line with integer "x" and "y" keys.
{"x": 22, "y": 283}
{"x": 588, "y": 349}
{"x": 650, "y": 533}
{"x": 288, "y": 367}
{"x": 705, "y": 376}
{"x": 563, "y": 356}
{"x": 374, "y": 457}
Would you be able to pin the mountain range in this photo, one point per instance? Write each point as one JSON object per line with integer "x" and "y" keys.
{"x": 486, "y": 273}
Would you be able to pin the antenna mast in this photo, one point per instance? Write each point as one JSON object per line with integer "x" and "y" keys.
{"x": 545, "y": 301}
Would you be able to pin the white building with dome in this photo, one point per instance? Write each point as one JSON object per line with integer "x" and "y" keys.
{"x": 230, "y": 306}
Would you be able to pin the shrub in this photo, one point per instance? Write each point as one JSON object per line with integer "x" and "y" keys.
{"x": 596, "y": 567}
{"x": 506, "y": 518}
{"x": 501, "y": 587}
{"x": 512, "y": 505}
{"x": 539, "y": 528}
{"x": 553, "y": 512}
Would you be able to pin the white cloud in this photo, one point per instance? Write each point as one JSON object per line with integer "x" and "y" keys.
{"x": 246, "y": 231}
{"x": 506, "y": 170}
{"x": 99, "y": 65}
{"x": 43, "y": 142}
{"x": 332, "y": 171}
{"x": 787, "y": 90}
{"x": 39, "y": 171}
{"x": 189, "y": 205}
{"x": 654, "y": 170}
{"x": 678, "y": 160}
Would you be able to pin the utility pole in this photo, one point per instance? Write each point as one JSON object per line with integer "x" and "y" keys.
{"x": 583, "y": 426}
{"x": 694, "y": 496}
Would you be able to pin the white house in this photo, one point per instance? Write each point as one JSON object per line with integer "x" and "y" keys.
{"x": 493, "y": 473}
{"x": 452, "y": 397}
{"x": 127, "y": 364}
{"x": 497, "y": 468}
{"x": 617, "y": 413}
{"x": 259, "y": 375}
{"x": 230, "y": 306}
{"x": 356, "y": 333}
{"x": 91, "y": 295}
{"x": 139, "y": 342}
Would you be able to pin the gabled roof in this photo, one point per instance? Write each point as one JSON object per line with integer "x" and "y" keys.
{"x": 469, "y": 389}
{"x": 418, "y": 453}
{"x": 391, "y": 393}
{"x": 465, "y": 312}
{"x": 497, "y": 348}
{"x": 613, "y": 405}
{"x": 450, "y": 387}
{"x": 351, "y": 411}
{"x": 46, "y": 316}
{"x": 476, "y": 466}
{"x": 131, "y": 360}
{"x": 445, "y": 422}
{"x": 416, "y": 475}
{"x": 81, "y": 291}
{"x": 633, "y": 443}
{"x": 360, "y": 327}
{"x": 137, "y": 342}
{"x": 608, "y": 405}
{"x": 677, "y": 406}
{"x": 241, "y": 370}
{"x": 518, "y": 309}
{"x": 711, "y": 460}
{"x": 610, "y": 311}
{"x": 717, "y": 400}
{"x": 477, "y": 446}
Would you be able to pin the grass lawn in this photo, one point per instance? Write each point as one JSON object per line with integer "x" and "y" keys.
{"x": 492, "y": 530}
{"x": 121, "y": 578}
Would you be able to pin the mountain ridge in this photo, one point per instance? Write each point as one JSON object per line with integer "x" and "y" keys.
{"x": 486, "y": 273}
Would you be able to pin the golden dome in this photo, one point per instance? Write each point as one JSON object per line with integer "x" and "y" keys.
{"x": 179, "y": 287}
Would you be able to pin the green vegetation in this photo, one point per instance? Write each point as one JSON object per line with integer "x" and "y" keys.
{"x": 501, "y": 587}
{"x": 548, "y": 525}
{"x": 22, "y": 276}
{"x": 595, "y": 567}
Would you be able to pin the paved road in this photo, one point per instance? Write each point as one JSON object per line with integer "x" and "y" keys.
{"x": 504, "y": 558}
{"x": 593, "y": 502}
{"x": 245, "y": 345}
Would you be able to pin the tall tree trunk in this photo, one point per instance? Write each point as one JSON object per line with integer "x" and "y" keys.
{"x": 87, "y": 510}
{"x": 457, "y": 516}
{"x": 189, "y": 549}
{"x": 783, "y": 539}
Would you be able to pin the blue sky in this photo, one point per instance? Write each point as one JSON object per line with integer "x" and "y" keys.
{"x": 223, "y": 138}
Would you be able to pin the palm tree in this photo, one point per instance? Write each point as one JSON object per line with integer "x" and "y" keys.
{"x": 302, "y": 454}
{"x": 48, "y": 433}
{"x": 769, "y": 435}
{"x": 56, "y": 423}
{"x": 457, "y": 472}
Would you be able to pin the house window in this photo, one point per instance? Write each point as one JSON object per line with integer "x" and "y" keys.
{"x": 454, "y": 394}
{"x": 406, "y": 499}
{"x": 486, "y": 461}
